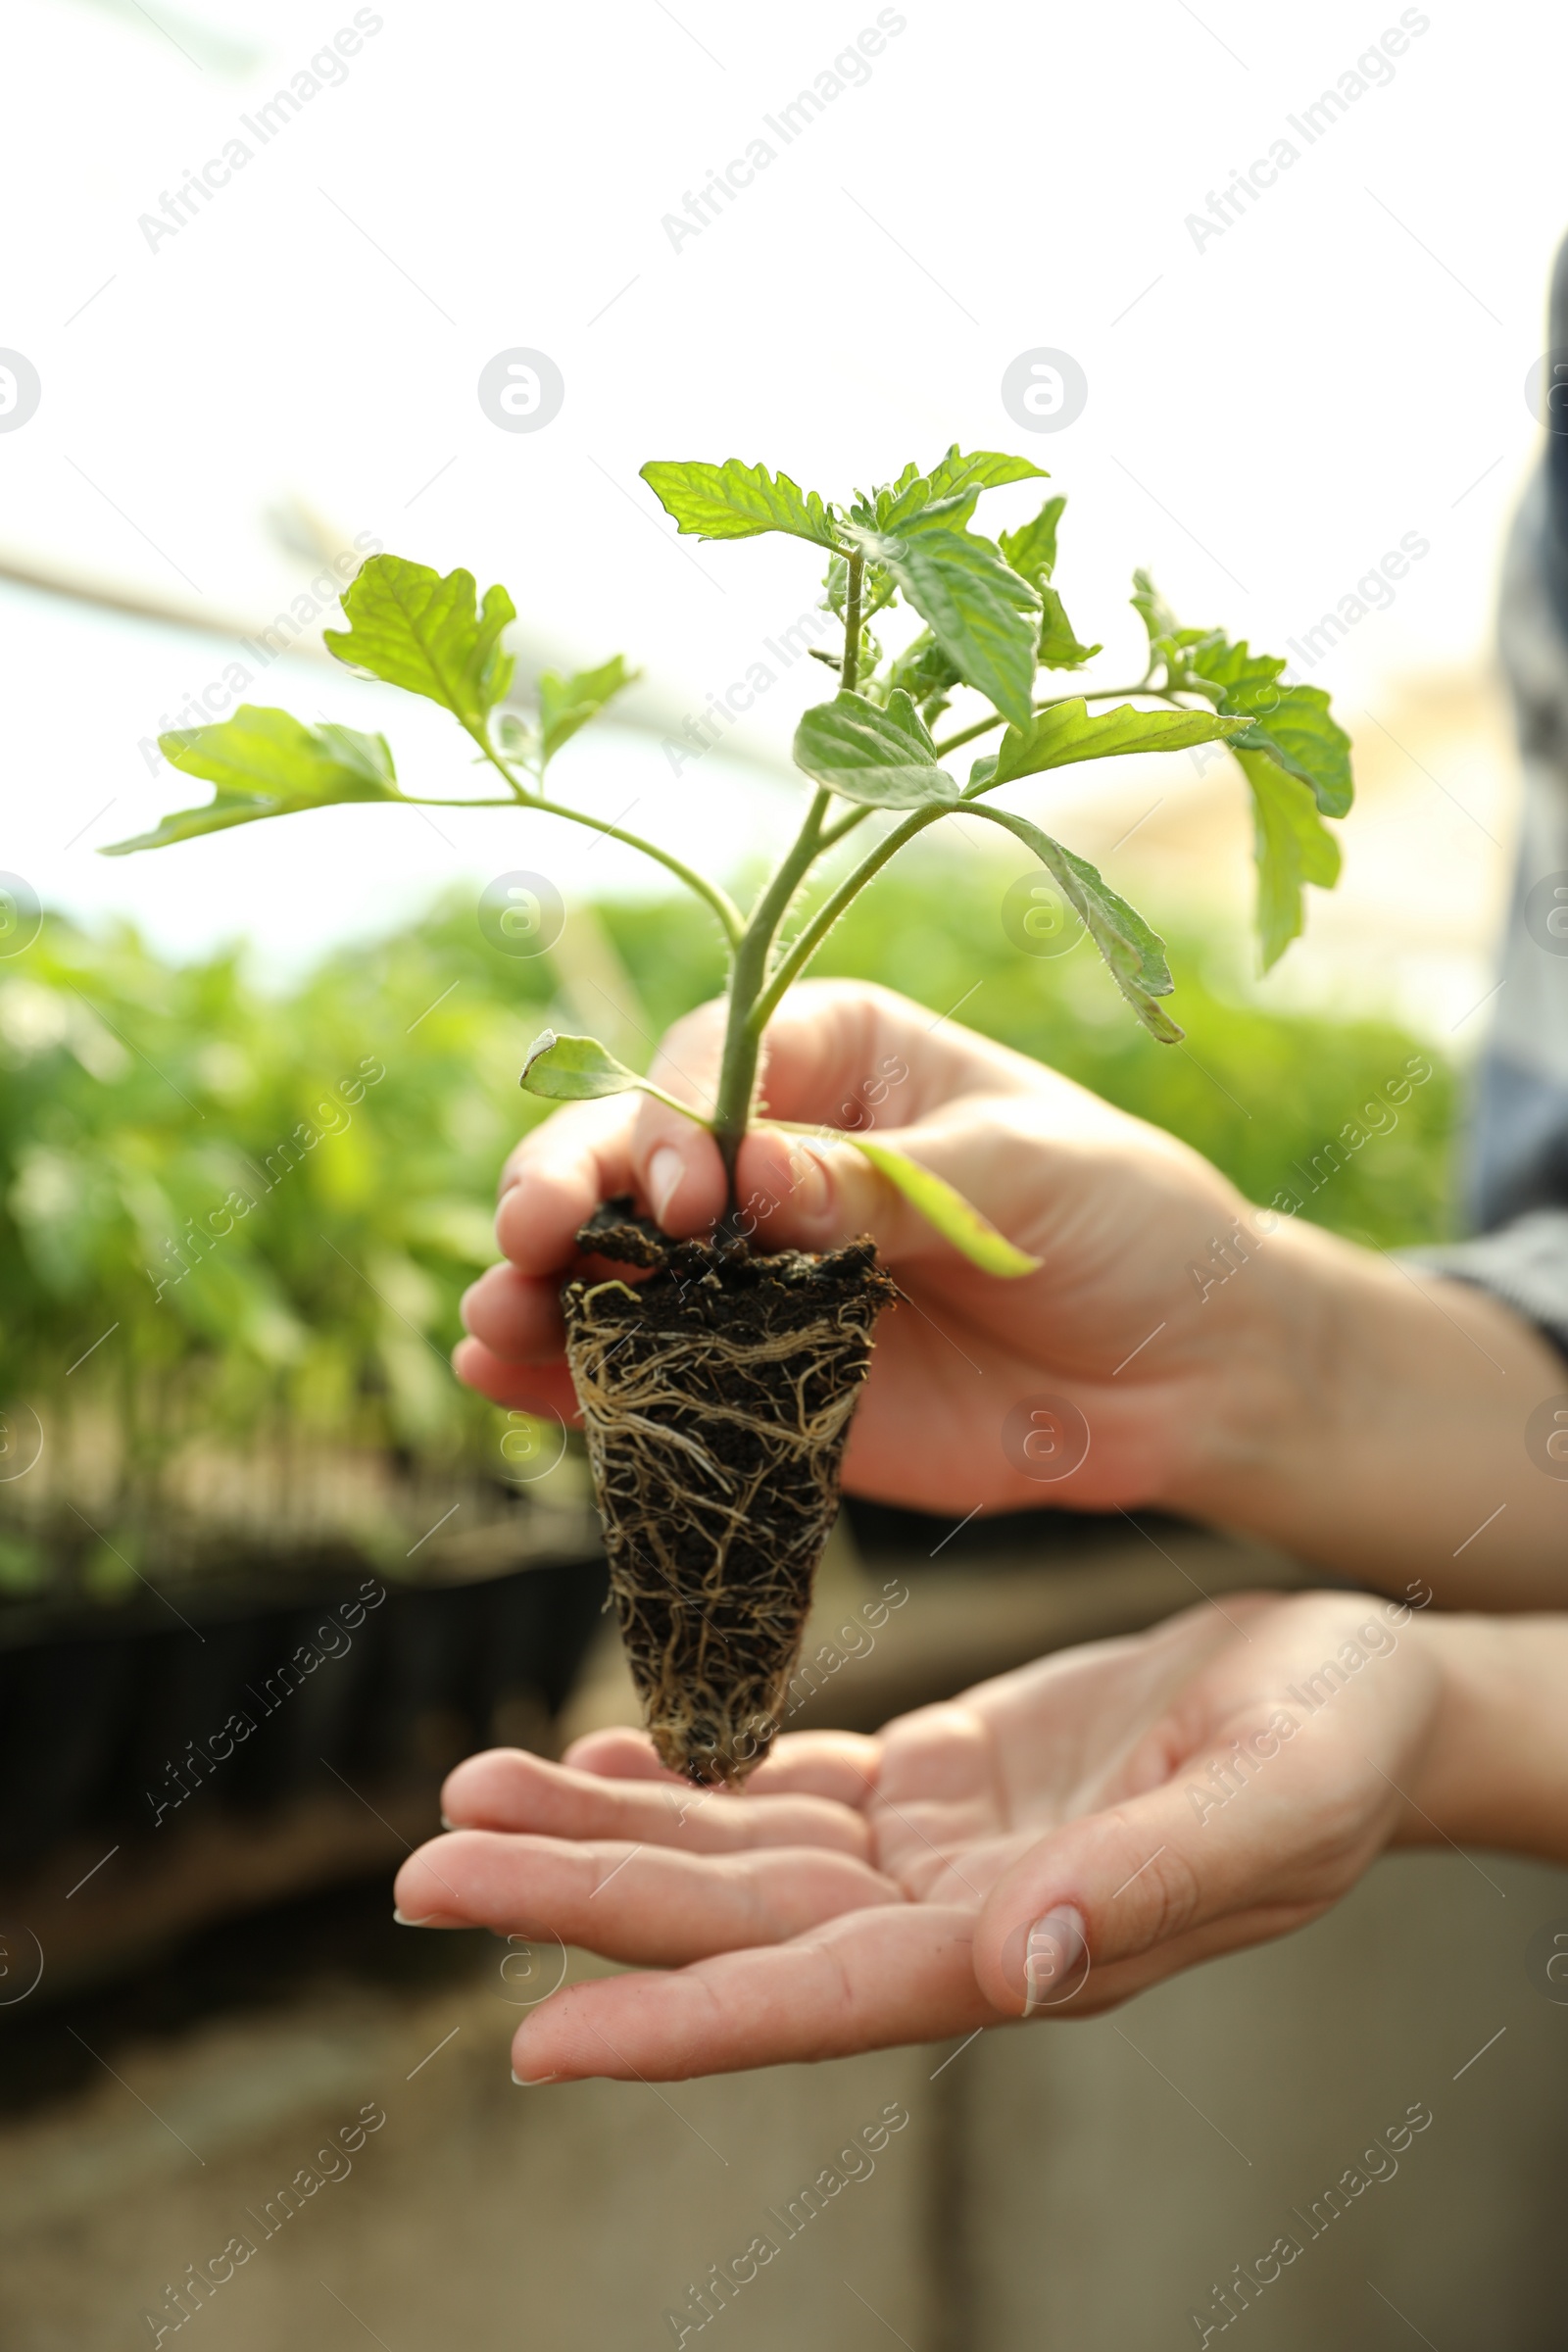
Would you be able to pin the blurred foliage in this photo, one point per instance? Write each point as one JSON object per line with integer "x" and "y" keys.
{"x": 215, "y": 1193}
{"x": 212, "y": 1190}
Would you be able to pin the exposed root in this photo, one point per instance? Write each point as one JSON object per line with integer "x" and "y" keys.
{"x": 716, "y": 1399}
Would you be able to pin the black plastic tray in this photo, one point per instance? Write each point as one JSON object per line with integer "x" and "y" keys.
{"x": 97, "y": 1721}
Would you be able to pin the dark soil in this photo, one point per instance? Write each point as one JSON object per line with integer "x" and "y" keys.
{"x": 716, "y": 1396}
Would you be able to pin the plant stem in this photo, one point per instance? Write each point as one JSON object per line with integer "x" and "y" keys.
{"x": 721, "y": 902}
{"x": 787, "y": 970}
{"x": 748, "y": 978}
{"x": 827, "y": 914}
{"x": 850, "y": 669}
{"x": 737, "y": 1075}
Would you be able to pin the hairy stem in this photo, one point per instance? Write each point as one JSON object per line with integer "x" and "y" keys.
{"x": 790, "y": 965}
{"x": 850, "y": 670}
{"x": 720, "y": 901}
{"x": 748, "y": 975}
{"x": 743, "y": 1036}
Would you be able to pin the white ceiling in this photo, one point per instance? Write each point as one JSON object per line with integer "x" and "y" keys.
{"x": 1266, "y": 415}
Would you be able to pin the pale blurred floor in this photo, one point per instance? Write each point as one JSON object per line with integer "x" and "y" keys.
{"x": 1057, "y": 2188}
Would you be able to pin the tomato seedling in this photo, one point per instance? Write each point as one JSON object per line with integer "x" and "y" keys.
{"x": 716, "y": 1391}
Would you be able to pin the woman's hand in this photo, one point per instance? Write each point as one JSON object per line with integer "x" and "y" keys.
{"x": 1312, "y": 1392}
{"x": 1050, "y": 1844}
{"x": 1113, "y": 1208}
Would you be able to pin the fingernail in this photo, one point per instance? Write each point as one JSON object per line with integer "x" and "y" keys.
{"x": 1056, "y": 1960}
{"x": 531, "y": 2082}
{"x": 400, "y": 1919}
{"x": 446, "y": 1823}
{"x": 664, "y": 1172}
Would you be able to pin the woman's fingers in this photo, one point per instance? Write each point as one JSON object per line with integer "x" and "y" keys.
{"x": 1020, "y": 1160}
{"x": 514, "y": 1317}
{"x": 841, "y": 1765}
{"x": 868, "y": 1981}
{"x": 593, "y": 1151}
{"x": 556, "y": 1177}
{"x": 839, "y": 1053}
{"x": 619, "y": 1754}
{"x": 849, "y": 1054}
{"x": 508, "y": 1788}
{"x": 631, "y": 1901}
{"x": 539, "y": 1389}
{"x": 806, "y": 1192}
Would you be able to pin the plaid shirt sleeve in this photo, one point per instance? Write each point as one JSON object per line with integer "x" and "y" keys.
{"x": 1519, "y": 1151}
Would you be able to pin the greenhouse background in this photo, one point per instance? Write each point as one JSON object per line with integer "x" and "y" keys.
{"x": 266, "y": 1570}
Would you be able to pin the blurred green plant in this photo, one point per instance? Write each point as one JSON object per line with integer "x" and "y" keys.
{"x": 225, "y": 1216}
{"x": 231, "y": 1217}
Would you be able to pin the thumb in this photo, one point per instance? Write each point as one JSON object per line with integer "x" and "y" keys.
{"x": 676, "y": 1167}
{"x": 808, "y": 1192}
{"x": 800, "y": 1192}
{"x": 815, "y": 1192}
{"x": 676, "y": 1163}
{"x": 1111, "y": 1902}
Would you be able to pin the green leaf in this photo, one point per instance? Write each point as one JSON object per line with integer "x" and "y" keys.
{"x": 927, "y": 672}
{"x": 889, "y": 510}
{"x": 267, "y": 764}
{"x": 957, "y": 1222}
{"x": 568, "y": 703}
{"x": 1066, "y": 733}
{"x": 1295, "y": 757}
{"x": 979, "y": 611}
{"x": 1060, "y": 647}
{"x": 579, "y": 1069}
{"x": 1135, "y": 954}
{"x": 1290, "y": 722}
{"x": 1031, "y": 553}
{"x": 414, "y": 629}
{"x": 1291, "y": 847}
{"x": 1248, "y": 678}
{"x": 1299, "y": 732}
{"x": 1150, "y": 607}
{"x": 1313, "y": 746}
{"x": 574, "y": 1069}
{"x": 1167, "y": 643}
{"x": 735, "y": 501}
{"x": 981, "y": 469}
{"x": 883, "y": 759}
{"x": 890, "y": 507}
{"x": 1031, "y": 549}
